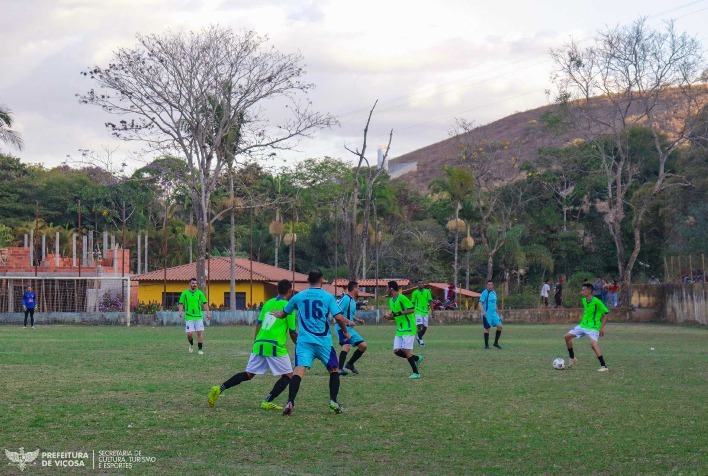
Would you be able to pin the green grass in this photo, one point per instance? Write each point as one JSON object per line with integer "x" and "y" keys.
{"x": 473, "y": 412}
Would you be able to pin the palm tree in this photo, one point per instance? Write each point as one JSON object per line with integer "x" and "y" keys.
{"x": 7, "y": 135}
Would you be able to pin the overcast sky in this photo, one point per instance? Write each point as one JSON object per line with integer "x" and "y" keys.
{"x": 427, "y": 62}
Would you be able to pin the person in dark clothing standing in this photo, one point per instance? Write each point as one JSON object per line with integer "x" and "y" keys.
{"x": 28, "y": 303}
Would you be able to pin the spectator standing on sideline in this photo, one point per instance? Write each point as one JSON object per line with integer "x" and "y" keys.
{"x": 614, "y": 290}
{"x": 597, "y": 288}
{"x": 450, "y": 293}
{"x": 28, "y": 303}
{"x": 654, "y": 280}
{"x": 545, "y": 289}
{"x": 605, "y": 291}
{"x": 558, "y": 296}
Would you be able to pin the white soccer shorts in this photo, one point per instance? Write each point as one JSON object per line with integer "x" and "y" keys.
{"x": 421, "y": 319}
{"x": 403, "y": 342}
{"x": 194, "y": 326}
{"x": 579, "y": 332}
{"x": 258, "y": 364}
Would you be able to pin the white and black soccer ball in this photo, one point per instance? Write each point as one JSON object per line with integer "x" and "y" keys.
{"x": 559, "y": 364}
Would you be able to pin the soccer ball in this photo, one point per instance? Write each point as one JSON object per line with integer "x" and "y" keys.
{"x": 559, "y": 364}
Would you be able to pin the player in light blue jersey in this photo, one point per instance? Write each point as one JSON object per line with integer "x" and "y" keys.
{"x": 348, "y": 306}
{"x": 314, "y": 305}
{"x": 490, "y": 316}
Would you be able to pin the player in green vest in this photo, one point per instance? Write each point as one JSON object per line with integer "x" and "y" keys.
{"x": 421, "y": 298}
{"x": 593, "y": 325}
{"x": 191, "y": 303}
{"x": 402, "y": 311}
{"x": 269, "y": 351}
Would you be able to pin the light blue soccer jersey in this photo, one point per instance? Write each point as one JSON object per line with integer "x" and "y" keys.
{"x": 313, "y": 307}
{"x": 348, "y": 307}
{"x": 489, "y": 302}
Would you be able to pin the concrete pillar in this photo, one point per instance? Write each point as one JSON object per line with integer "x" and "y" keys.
{"x": 84, "y": 250}
{"x": 25, "y": 240}
{"x": 139, "y": 257}
{"x": 73, "y": 250}
{"x": 145, "y": 263}
{"x": 115, "y": 259}
{"x": 56, "y": 250}
{"x": 31, "y": 247}
{"x": 44, "y": 248}
{"x": 90, "y": 254}
{"x": 105, "y": 244}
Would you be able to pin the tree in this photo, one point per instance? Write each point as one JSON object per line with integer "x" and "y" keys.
{"x": 632, "y": 77}
{"x": 7, "y": 135}
{"x": 361, "y": 189}
{"x": 496, "y": 207}
{"x": 186, "y": 94}
{"x": 457, "y": 186}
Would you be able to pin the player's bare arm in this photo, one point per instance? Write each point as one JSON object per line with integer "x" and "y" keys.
{"x": 343, "y": 324}
{"x": 208, "y": 312}
{"x": 279, "y": 314}
{"x": 293, "y": 336}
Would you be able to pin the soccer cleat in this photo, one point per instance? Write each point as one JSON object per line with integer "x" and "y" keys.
{"x": 414, "y": 376}
{"x": 214, "y": 394}
{"x": 486, "y": 347}
{"x": 421, "y": 343}
{"x": 270, "y": 406}
{"x": 334, "y": 406}
{"x": 200, "y": 352}
{"x": 288, "y": 410}
{"x": 343, "y": 372}
{"x": 497, "y": 346}
{"x": 603, "y": 369}
{"x": 350, "y": 367}
{"x": 572, "y": 362}
{"x": 191, "y": 349}
{"x": 420, "y": 360}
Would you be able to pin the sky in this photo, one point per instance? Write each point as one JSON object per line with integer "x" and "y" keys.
{"x": 427, "y": 63}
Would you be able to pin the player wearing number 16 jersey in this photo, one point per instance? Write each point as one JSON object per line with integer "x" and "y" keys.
{"x": 314, "y": 340}
{"x": 269, "y": 351}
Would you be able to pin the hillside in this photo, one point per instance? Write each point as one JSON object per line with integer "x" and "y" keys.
{"x": 526, "y": 132}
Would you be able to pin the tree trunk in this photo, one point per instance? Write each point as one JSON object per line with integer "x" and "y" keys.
{"x": 232, "y": 245}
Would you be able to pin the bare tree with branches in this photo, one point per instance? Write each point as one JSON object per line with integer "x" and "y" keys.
{"x": 632, "y": 77}
{"x": 204, "y": 96}
{"x": 357, "y": 205}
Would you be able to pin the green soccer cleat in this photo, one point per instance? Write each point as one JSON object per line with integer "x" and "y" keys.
{"x": 270, "y": 406}
{"x": 334, "y": 406}
{"x": 420, "y": 360}
{"x": 414, "y": 376}
{"x": 214, "y": 395}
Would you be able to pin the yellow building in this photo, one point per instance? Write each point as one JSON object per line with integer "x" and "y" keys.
{"x": 255, "y": 283}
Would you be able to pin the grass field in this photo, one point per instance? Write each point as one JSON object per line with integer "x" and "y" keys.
{"x": 93, "y": 389}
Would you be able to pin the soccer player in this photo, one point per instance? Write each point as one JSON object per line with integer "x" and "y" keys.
{"x": 490, "y": 317}
{"x": 592, "y": 325}
{"x": 28, "y": 303}
{"x": 314, "y": 340}
{"x": 269, "y": 351}
{"x": 421, "y": 298}
{"x": 401, "y": 311}
{"x": 348, "y": 306}
{"x": 195, "y": 302}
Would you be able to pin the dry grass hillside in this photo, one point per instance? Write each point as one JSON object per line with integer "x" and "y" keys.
{"x": 525, "y": 132}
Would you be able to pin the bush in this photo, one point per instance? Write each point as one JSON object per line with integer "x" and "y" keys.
{"x": 110, "y": 303}
{"x": 147, "y": 308}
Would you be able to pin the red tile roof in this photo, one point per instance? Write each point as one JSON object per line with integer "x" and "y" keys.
{"x": 220, "y": 271}
{"x": 382, "y": 282}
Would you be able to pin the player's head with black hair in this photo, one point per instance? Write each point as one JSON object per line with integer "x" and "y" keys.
{"x": 393, "y": 285}
{"x": 284, "y": 286}
{"x": 314, "y": 276}
{"x": 352, "y": 285}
